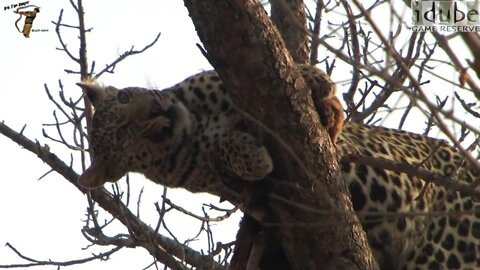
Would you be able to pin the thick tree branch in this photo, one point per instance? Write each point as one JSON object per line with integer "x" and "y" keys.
{"x": 265, "y": 82}
{"x": 290, "y": 18}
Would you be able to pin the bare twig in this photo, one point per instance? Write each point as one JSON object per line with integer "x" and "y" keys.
{"x": 348, "y": 96}
{"x": 316, "y": 32}
{"x": 64, "y": 45}
{"x": 101, "y": 256}
{"x": 209, "y": 219}
{"x": 110, "y": 67}
{"x": 443, "y": 42}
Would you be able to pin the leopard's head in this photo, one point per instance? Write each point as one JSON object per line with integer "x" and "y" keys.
{"x": 127, "y": 122}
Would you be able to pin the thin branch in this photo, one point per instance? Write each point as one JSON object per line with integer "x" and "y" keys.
{"x": 316, "y": 32}
{"x": 467, "y": 107}
{"x": 64, "y": 45}
{"x": 348, "y": 96}
{"x": 110, "y": 67}
{"x": 443, "y": 42}
{"x": 101, "y": 256}
{"x": 373, "y": 216}
{"x": 96, "y": 236}
{"x": 58, "y": 105}
{"x": 201, "y": 218}
{"x": 414, "y": 170}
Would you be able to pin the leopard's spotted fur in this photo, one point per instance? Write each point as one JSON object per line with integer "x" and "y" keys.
{"x": 171, "y": 135}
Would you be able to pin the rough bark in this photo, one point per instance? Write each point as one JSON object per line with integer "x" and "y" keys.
{"x": 290, "y": 17}
{"x": 307, "y": 209}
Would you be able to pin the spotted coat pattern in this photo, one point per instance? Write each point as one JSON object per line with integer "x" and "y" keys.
{"x": 173, "y": 136}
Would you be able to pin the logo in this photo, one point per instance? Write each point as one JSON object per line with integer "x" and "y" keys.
{"x": 447, "y": 16}
{"x": 27, "y": 13}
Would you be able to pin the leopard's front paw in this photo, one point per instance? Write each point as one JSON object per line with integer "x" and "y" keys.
{"x": 242, "y": 154}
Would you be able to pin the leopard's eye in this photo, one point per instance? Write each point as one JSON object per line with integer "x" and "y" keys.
{"x": 123, "y": 97}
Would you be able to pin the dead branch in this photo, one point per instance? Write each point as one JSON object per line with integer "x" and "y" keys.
{"x": 33, "y": 262}
{"x": 443, "y": 42}
{"x": 64, "y": 45}
{"x": 111, "y": 67}
{"x": 115, "y": 208}
{"x": 315, "y": 30}
{"x": 204, "y": 218}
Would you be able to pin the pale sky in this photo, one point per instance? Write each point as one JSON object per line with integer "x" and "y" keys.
{"x": 43, "y": 219}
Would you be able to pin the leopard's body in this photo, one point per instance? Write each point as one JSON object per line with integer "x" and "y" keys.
{"x": 174, "y": 136}
{"x": 432, "y": 228}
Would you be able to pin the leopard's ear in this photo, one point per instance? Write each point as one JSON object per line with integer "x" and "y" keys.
{"x": 95, "y": 92}
{"x": 100, "y": 171}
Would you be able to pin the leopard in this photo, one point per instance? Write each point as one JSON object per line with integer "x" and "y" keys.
{"x": 176, "y": 136}
{"x": 432, "y": 227}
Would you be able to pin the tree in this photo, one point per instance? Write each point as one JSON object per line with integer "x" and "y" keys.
{"x": 264, "y": 62}
{"x": 261, "y": 52}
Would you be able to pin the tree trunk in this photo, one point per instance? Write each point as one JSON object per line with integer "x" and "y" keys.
{"x": 307, "y": 207}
